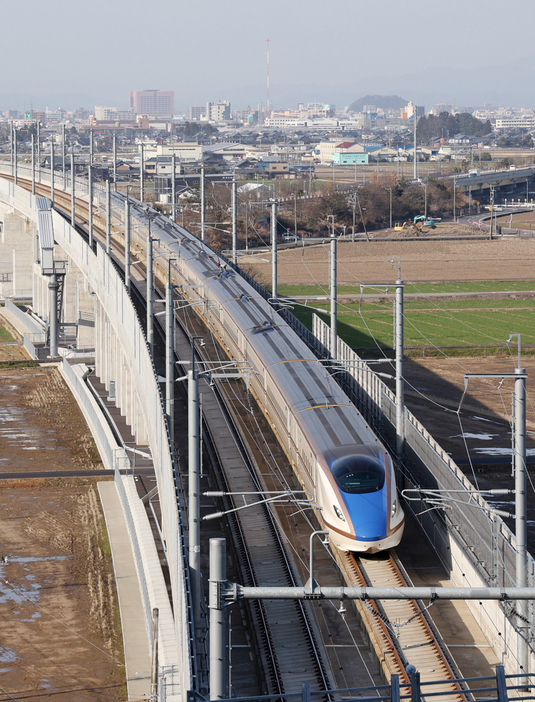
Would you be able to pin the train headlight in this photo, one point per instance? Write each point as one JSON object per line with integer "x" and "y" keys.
{"x": 394, "y": 509}
{"x": 339, "y": 513}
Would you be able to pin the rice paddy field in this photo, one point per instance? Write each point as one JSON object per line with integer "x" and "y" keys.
{"x": 442, "y": 320}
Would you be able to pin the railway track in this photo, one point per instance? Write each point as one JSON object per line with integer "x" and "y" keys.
{"x": 291, "y": 651}
{"x": 404, "y": 630}
{"x": 401, "y": 631}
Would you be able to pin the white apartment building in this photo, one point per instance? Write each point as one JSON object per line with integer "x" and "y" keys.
{"x": 517, "y": 122}
{"x": 217, "y": 112}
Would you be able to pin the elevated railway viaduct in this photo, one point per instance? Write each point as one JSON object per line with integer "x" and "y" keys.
{"x": 476, "y": 552}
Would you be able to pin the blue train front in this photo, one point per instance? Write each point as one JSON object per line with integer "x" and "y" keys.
{"x": 357, "y": 492}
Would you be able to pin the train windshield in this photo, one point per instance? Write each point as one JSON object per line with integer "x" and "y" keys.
{"x": 358, "y": 474}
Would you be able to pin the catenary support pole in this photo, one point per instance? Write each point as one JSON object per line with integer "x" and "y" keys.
{"x": 39, "y": 151}
{"x": 400, "y": 387}
{"x": 274, "y": 292}
{"x": 127, "y": 243}
{"x": 333, "y": 291}
{"x": 64, "y": 155}
{"x": 194, "y": 497}
{"x": 33, "y": 164}
{"x": 90, "y": 205}
{"x": 115, "y": 161}
{"x": 53, "y": 287}
{"x": 154, "y": 657}
{"x": 219, "y": 653}
{"x": 52, "y": 173}
{"x": 170, "y": 354}
{"x": 150, "y": 292}
{"x": 15, "y": 157}
{"x": 91, "y": 147}
{"x": 11, "y": 146}
{"x": 173, "y": 187}
{"x": 203, "y": 204}
{"x": 234, "y": 221}
{"x": 73, "y": 192}
{"x": 521, "y": 511}
{"x": 142, "y": 174}
{"x": 108, "y": 218}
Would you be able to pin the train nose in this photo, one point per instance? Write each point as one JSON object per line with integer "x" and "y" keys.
{"x": 370, "y": 530}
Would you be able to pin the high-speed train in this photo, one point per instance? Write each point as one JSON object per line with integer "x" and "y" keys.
{"x": 336, "y": 455}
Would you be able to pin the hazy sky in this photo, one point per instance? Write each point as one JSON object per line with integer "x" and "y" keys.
{"x": 73, "y": 53}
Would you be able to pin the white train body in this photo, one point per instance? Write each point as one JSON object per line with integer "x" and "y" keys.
{"x": 334, "y": 452}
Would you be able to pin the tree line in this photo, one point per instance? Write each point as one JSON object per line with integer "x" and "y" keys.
{"x": 447, "y": 125}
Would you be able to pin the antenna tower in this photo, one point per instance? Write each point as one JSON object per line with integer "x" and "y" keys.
{"x": 268, "y": 104}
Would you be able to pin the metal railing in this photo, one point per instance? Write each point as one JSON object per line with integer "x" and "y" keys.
{"x": 495, "y": 688}
{"x": 111, "y": 293}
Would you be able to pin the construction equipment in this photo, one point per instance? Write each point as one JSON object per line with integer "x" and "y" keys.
{"x": 421, "y": 221}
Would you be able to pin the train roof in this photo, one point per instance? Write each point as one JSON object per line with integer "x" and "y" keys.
{"x": 314, "y": 397}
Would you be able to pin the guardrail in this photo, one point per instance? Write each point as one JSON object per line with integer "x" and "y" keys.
{"x": 116, "y": 305}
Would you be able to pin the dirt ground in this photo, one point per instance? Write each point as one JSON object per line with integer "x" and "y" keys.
{"x": 61, "y": 636}
{"x": 425, "y": 260}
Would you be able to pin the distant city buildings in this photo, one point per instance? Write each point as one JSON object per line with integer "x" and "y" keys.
{"x": 156, "y": 103}
{"x": 211, "y": 112}
{"x": 112, "y": 114}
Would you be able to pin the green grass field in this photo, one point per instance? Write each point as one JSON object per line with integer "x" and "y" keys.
{"x": 5, "y": 336}
{"x": 441, "y": 322}
{"x": 421, "y": 288}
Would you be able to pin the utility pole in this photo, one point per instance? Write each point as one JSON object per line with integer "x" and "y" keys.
{"x": 333, "y": 289}
{"x": 203, "y": 203}
{"x": 295, "y": 216}
{"x": 354, "y": 203}
{"x": 400, "y": 386}
{"x": 519, "y": 463}
{"x": 108, "y": 217}
{"x": 390, "y": 192}
{"x": 173, "y": 188}
{"x": 274, "y": 292}
{"x": 114, "y": 161}
{"x": 15, "y": 156}
{"x": 51, "y": 173}
{"x": 64, "y": 155}
{"x": 219, "y": 653}
{"x": 142, "y": 174}
{"x": 454, "y": 196}
{"x": 39, "y": 150}
{"x": 234, "y": 221}
{"x": 73, "y": 193}
{"x": 521, "y": 508}
{"x": 11, "y": 142}
{"x": 491, "y": 210}
{"x": 150, "y": 285}
{"x": 33, "y": 164}
{"x": 415, "y": 159}
{"x": 90, "y": 208}
{"x": 127, "y": 243}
